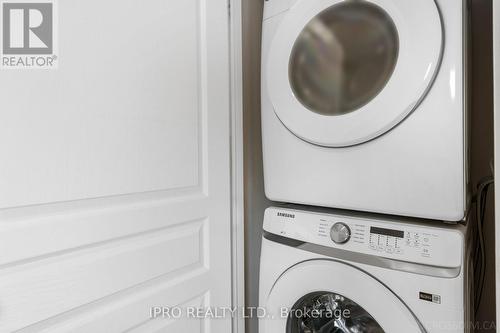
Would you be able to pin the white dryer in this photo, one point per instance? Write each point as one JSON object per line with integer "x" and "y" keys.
{"x": 327, "y": 272}
{"x": 364, "y": 105}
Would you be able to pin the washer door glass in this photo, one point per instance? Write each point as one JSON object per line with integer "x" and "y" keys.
{"x": 343, "y": 58}
{"x": 308, "y": 294}
{"x": 326, "y": 312}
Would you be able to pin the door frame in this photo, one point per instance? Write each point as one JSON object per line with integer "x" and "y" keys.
{"x": 237, "y": 183}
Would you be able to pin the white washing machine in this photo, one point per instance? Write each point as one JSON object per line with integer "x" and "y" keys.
{"x": 364, "y": 105}
{"x": 327, "y": 272}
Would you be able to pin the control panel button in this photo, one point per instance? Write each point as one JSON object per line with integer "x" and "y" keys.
{"x": 340, "y": 233}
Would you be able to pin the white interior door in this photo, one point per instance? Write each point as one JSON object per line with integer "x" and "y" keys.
{"x": 115, "y": 171}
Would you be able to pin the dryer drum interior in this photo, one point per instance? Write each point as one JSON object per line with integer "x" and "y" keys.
{"x": 343, "y": 58}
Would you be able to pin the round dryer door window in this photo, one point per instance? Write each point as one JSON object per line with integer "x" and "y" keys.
{"x": 331, "y": 296}
{"x": 343, "y": 58}
{"x": 343, "y": 72}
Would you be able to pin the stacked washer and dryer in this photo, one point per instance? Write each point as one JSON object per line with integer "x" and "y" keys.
{"x": 364, "y": 113}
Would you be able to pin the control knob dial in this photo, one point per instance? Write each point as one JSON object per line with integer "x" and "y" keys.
{"x": 340, "y": 233}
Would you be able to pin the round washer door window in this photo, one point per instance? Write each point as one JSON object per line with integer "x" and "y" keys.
{"x": 327, "y": 286}
{"x": 343, "y": 58}
{"x": 342, "y": 72}
{"x": 330, "y": 312}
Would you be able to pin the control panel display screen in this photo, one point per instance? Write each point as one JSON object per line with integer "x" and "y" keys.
{"x": 387, "y": 232}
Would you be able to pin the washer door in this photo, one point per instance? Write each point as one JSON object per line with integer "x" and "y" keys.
{"x": 330, "y": 296}
{"x": 342, "y": 72}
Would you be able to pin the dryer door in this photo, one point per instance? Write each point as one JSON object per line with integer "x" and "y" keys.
{"x": 330, "y": 296}
{"x": 342, "y": 72}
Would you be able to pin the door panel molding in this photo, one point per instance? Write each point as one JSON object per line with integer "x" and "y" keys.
{"x": 87, "y": 159}
{"x": 71, "y": 229}
{"x": 126, "y": 309}
{"x": 93, "y": 273}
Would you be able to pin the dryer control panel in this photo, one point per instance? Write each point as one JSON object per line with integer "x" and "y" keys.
{"x": 425, "y": 243}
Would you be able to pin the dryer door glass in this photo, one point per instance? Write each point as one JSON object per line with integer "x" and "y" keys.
{"x": 330, "y": 313}
{"x": 343, "y": 58}
{"x": 338, "y": 73}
